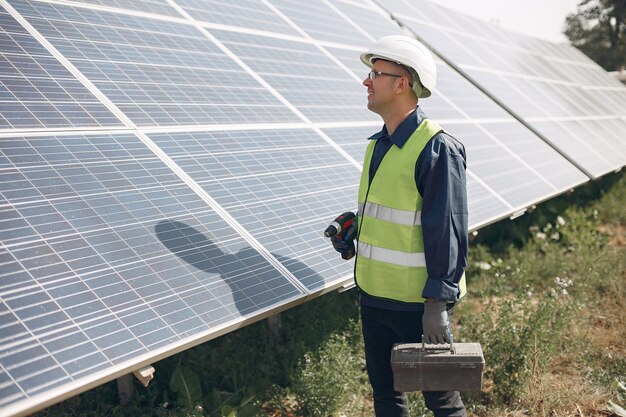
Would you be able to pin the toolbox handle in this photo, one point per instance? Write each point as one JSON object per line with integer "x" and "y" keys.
{"x": 452, "y": 351}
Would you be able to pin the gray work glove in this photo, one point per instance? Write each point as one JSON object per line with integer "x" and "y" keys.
{"x": 436, "y": 322}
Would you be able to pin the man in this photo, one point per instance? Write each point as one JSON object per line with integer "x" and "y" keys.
{"x": 412, "y": 222}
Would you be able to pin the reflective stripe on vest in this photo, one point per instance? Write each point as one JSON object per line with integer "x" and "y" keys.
{"x": 392, "y": 256}
{"x": 388, "y": 214}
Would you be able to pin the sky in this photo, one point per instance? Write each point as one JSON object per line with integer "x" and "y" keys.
{"x": 540, "y": 18}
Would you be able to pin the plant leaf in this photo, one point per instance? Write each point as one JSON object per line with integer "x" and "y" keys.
{"x": 186, "y": 384}
{"x": 616, "y": 409}
{"x": 228, "y": 411}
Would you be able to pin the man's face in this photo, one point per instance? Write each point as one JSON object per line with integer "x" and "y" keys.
{"x": 380, "y": 91}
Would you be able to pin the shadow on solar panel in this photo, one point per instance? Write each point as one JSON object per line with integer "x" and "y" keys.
{"x": 249, "y": 290}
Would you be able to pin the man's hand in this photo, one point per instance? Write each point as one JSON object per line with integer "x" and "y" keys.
{"x": 436, "y": 322}
{"x": 344, "y": 243}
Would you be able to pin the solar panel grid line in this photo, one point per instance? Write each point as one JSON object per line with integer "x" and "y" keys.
{"x": 53, "y": 96}
{"x": 48, "y": 354}
{"x": 498, "y": 197}
{"x": 311, "y": 39}
{"x": 522, "y": 120}
{"x": 319, "y": 44}
{"x": 85, "y": 5}
{"x": 573, "y": 118}
{"x": 504, "y": 147}
{"x": 516, "y": 75}
{"x": 263, "y": 82}
{"x": 547, "y": 98}
{"x": 154, "y": 7}
{"x": 292, "y": 197}
{"x": 61, "y": 58}
{"x": 291, "y": 11}
{"x": 235, "y": 127}
{"x": 52, "y": 279}
{"x": 330, "y": 125}
{"x": 111, "y": 313}
{"x": 485, "y": 37}
{"x": 348, "y": 19}
{"x": 474, "y": 120}
{"x": 273, "y": 173}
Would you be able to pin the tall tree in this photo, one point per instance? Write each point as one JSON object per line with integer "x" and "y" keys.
{"x": 598, "y": 28}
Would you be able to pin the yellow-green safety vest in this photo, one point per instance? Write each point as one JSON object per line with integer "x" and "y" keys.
{"x": 390, "y": 259}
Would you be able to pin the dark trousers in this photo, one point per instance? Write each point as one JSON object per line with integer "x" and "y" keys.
{"x": 381, "y": 329}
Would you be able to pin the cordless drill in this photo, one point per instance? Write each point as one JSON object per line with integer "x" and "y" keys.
{"x": 343, "y": 224}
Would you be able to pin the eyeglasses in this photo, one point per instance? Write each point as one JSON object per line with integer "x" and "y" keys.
{"x": 375, "y": 74}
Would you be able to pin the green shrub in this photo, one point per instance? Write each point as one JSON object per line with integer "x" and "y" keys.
{"x": 518, "y": 333}
{"x": 332, "y": 378}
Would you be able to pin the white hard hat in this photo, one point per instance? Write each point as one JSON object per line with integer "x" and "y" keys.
{"x": 410, "y": 53}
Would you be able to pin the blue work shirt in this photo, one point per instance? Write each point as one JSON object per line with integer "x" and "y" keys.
{"x": 440, "y": 180}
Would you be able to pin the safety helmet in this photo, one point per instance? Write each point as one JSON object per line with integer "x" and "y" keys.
{"x": 412, "y": 54}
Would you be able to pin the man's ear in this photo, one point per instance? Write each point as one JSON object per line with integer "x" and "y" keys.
{"x": 403, "y": 84}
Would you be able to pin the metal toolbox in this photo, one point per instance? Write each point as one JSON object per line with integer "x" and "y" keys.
{"x": 419, "y": 367}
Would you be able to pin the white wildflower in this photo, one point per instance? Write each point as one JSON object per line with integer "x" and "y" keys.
{"x": 485, "y": 266}
{"x": 555, "y": 236}
{"x": 563, "y": 282}
{"x": 541, "y": 236}
{"x": 560, "y": 220}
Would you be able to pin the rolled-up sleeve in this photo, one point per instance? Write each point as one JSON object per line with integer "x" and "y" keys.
{"x": 440, "y": 179}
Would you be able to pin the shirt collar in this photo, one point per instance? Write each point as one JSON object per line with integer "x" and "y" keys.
{"x": 404, "y": 130}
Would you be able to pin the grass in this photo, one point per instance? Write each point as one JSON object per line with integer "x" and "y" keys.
{"x": 547, "y": 303}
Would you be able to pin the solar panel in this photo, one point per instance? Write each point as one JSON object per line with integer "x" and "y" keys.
{"x": 158, "y": 72}
{"x": 551, "y": 88}
{"x": 36, "y": 91}
{"x": 195, "y": 153}
{"x": 247, "y": 14}
{"x": 333, "y": 28}
{"x": 115, "y": 253}
{"x": 303, "y": 74}
{"x": 158, "y": 7}
{"x": 277, "y": 184}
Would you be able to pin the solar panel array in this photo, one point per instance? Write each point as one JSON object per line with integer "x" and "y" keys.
{"x": 167, "y": 168}
{"x": 559, "y": 93}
